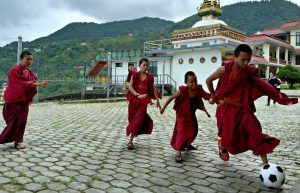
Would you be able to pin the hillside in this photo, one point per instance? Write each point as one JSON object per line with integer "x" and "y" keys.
{"x": 60, "y": 54}
{"x": 251, "y": 17}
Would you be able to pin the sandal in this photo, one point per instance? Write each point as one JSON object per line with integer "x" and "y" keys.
{"x": 190, "y": 147}
{"x": 130, "y": 146}
{"x": 223, "y": 153}
{"x": 20, "y": 145}
{"x": 178, "y": 159}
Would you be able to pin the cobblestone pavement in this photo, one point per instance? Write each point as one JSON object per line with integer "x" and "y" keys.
{"x": 82, "y": 148}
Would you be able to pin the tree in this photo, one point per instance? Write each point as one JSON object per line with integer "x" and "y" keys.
{"x": 289, "y": 74}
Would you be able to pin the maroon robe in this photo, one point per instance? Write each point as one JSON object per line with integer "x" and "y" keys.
{"x": 186, "y": 125}
{"x": 239, "y": 129}
{"x": 139, "y": 120}
{"x": 17, "y": 97}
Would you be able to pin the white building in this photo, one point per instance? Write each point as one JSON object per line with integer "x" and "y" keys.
{"x": 203, "y": 47}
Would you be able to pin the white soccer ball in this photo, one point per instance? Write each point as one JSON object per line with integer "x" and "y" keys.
{"x": 272, "y": 175}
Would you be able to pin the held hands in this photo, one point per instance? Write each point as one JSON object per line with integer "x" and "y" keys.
{"x": 212, "y": 100}
{"x": 142, "y": 96}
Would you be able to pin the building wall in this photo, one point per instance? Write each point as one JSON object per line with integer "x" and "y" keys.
{"x": 202, "y": 70}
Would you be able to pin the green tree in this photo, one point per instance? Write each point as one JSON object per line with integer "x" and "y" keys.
{"x": 289, "y": 74}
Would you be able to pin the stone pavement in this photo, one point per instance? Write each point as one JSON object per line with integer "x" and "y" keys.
{"x": 82, "y": 148}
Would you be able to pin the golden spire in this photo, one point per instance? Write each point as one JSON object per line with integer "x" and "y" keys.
{"x": 210, "y": 9}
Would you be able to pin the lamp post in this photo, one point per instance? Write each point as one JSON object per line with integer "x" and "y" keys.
{"x": 19, "y": 49}
{"x": 108, "y": 75}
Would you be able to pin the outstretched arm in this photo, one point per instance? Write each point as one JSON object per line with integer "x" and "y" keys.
{"x": 177, "y": 94}
{"x": 209, "y": 82}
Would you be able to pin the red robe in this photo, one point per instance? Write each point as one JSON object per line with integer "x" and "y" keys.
{"x": 17, "y": 96}
{"x": 239, "y": 129}
{"x": 139, "y": 121}
{"x": 186, "y": 125}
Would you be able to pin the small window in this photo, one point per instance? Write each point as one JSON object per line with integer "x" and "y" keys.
{"x": 214, "y": 59}
{"x": 298, "y": 60}
{"x": 191, "y": 60}
{"x": 202, "y": 60}
{"x": 180, "y": 61}
{"x": 298, "y": 39}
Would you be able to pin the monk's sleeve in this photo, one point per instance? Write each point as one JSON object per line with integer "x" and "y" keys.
{"x": 261, "y": 87}
{"x": 204, "y": 94}
{"x": 18, "y": 82}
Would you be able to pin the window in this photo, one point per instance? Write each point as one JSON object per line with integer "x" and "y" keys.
{"x": 298, "y": 39}
{"x": 153, "y": 68}
{"x": 180, "y": 61}
{"x": 202, "y": 60}
{"x": 191, "y": 60}
{"x": 298, "y": 60}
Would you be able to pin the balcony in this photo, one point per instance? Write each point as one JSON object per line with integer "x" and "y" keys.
{"x": 273, "y": 60}
{"x": 283, "y": 62}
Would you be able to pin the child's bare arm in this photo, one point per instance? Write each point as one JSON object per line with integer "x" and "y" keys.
{"x": 177, "y": 94}
{"x": 209, "y": 81}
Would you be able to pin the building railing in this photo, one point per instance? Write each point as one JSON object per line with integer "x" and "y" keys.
{"x": 273, "y": 60}
{"x": 284, "y": 62}
{"x": 158, "y": 45}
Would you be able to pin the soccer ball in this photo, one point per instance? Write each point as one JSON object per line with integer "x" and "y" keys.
{"x": 272, "y": 175}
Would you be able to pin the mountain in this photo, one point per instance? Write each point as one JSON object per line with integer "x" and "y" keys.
{"x": 87, "y": 31}
{"x": 61, "y": 54}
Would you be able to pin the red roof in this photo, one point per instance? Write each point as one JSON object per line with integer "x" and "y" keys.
{"x": 263, "y": 38}
{"x": 290, "y": 24}
{"x": 272, "y": 31}
{"x": 259, "y": 59}
{"x": 96, "y": 69}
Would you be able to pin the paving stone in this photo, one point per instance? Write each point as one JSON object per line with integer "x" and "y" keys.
{"x": 120, "y": 184}
{"x": 74, "y": 154}
{"x": 34, "y": 187}
{"x": 100, "y": 185}
{"x": 116, "y": 190}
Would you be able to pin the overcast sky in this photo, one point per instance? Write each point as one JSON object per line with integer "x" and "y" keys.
{"x": 37, "y": 18}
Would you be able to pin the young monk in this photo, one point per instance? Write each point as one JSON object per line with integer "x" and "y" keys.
{"x": 17, "y": 97}
{"x": 141, "y": 89}
{"x": 187, "y": 100}
{"x": 238, "y": 87}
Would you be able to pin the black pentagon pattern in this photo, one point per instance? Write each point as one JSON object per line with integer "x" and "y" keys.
{"x": 279, "y": 169}
{"x": 261, "y": 178}
{"x": 266, "y": 167}
{"x": 282, "y": 182}
{"x": 272, "y": 178}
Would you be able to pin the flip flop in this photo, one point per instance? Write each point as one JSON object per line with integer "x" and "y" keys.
{"x": 130, "y": 146}
{"x": 19, "y": 145}
{"x": 223, "y": 153}
{"x": 178, "y": 159}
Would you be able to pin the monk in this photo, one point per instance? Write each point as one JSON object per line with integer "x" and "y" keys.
{"x": 187, "y": 100}
{"x": 22, "y": 87}
{"x": 141, "y": 89}
{"x": 238, "y": 87}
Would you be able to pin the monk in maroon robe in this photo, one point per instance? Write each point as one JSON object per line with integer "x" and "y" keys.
{"x": 142, "y": 90}
{"x": 17, "y": 97}
{"x": 187, "y": 100}
{"x": 238, "y": 87}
